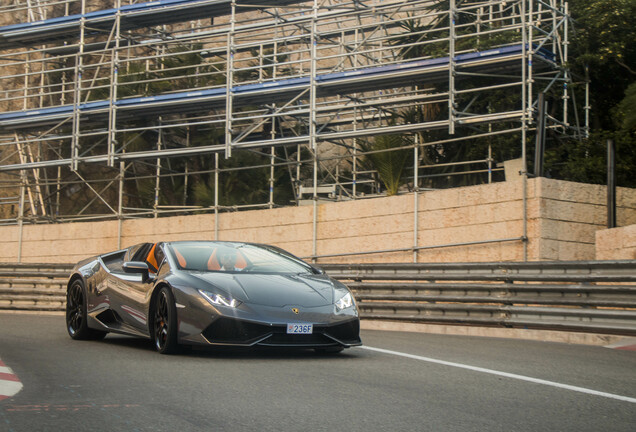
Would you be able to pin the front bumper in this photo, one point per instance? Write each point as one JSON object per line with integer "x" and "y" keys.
{"x": 230, "y": 331}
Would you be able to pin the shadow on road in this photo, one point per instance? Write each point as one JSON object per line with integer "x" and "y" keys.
{"x": 256, "y": 353}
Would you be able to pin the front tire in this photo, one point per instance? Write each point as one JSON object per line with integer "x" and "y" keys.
{"x": 76, "y": 316}
{"x": 165, "y": 323}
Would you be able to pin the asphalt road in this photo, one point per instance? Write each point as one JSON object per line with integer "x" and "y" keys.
{"x": 424, "y": 383}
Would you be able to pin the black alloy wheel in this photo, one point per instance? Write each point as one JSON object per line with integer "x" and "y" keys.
{"x": 76, "y": 316}
{"x": 165, "y": 323}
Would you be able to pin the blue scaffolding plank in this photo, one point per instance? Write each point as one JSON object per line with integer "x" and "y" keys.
{"x": 366, "y": 79}
{"x": 131, "y": 16}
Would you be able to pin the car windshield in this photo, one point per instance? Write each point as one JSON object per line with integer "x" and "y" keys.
{"x": 235, "y": 257}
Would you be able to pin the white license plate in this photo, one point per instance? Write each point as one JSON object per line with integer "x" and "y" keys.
{"x": 300, "y": 328}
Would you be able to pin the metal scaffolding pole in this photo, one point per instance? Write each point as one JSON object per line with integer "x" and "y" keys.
{"x": 77, "y": 93}
{"x": 229, "y": 78}
{"x": 158, "y": 173}
{"x": 325, "y": 76}
{"x": 526, "y": 77}
{"x": 21, "y": 214}
{"x": 114, "y": 78}
{"x": 452, "y": 16}
{"x": 216, "y": 196}
{"x": 312, "y": 130}
{"x": 120, "y": 204}
{"x": 416, "y": 196}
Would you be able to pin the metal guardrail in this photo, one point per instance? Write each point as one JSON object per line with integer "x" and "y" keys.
{"x": 33, "y": 287}
{"x": 587, "y": 296}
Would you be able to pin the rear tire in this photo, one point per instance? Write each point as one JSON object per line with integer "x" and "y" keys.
{"x": 165, "y": 323}
{"x": 76, "y": 316}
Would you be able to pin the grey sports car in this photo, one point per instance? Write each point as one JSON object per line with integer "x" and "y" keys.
{"x": 210, "y": 293}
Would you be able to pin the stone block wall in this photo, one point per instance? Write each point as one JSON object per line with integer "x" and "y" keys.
{"x": 572, "y": 213}
{"x": 616, "y": 243}
{"x": 468, "y": 224}
{"x": 58, "y": 242}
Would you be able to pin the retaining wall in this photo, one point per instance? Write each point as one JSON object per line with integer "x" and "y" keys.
{"x": 562, "y": 221}
{"x": 616, "y": 243}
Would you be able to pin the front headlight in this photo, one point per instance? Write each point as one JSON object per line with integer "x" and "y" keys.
{"x": 345, "y": 302}
{"x": 219, "y": 300}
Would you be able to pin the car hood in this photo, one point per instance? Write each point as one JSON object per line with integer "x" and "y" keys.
{"x": 275, "y": 290}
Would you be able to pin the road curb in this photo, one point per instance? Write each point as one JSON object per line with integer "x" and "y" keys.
{"x": 625, "y": 344}
{"x": 9, "y": 382}
{"x": 508, "y": 333}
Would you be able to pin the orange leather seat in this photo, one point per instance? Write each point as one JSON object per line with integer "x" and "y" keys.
{"x": 213, "y": 262}
{"x": 180, "y": 258}
{"x": 152, "y": 260}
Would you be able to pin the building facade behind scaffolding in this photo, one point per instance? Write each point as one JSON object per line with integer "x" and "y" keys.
{"x": 121, "y": 109}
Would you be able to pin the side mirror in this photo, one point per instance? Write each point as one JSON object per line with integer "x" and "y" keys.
{"x": 317, "y": 270}
{"x": 137, "y": 267}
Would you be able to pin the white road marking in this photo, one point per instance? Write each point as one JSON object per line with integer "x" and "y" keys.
{"x": 9, "y": 388}
{"x": 9, "y": 382}
{"x": 504, "y": 374}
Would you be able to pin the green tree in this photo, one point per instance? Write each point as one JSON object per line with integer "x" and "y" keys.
{"x": 603, "y": 51}
{"x": 386, "y": 155}
{"x": 626, "y": 110}
{"x": 586, "y": 161}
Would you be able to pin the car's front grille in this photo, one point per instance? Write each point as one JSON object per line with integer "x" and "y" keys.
{"x": 228, "y": 330}
{"x": 283, "y": 339}
{"x": 231, "y": 331}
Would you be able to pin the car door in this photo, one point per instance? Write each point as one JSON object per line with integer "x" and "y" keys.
{"x": 122, "y": 290}
{"x": 137, "y": 288}
{"x": 132, "y": 289}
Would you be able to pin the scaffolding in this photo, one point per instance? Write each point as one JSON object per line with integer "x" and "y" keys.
{"x": 122, "y": 107}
